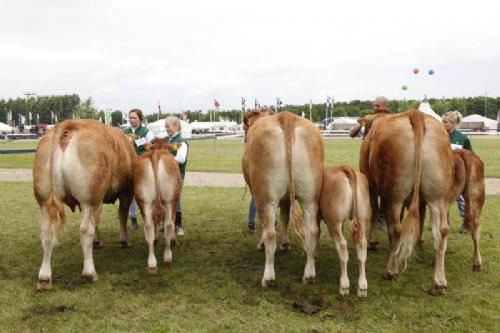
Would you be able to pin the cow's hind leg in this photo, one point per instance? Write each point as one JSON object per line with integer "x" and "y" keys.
{"x": 335, "y": 229}
{"x": 394, "y": 228}
{"x": 472, "y": 218}
{"x": 149, "y": 235}
{"x": 87, "y": 230}
{"x": 284, "y": 219}
{"x": 266, "y": 216}
{"x": 361, "y": 247}
{"x": 96, "y": 242}
{"x": 311, "y": 240}
{"x": 169, "y": 231}
{"x": 373, "y": 242}
{"x": 125, "y": 200}
{"x": 48, "y": 241}
{"x": 440, "y": 228}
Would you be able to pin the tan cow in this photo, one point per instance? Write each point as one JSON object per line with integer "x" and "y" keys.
{"x": 345, "y": 195}
{"x": 407, "y": 160}
{"x": 283, "y": 161}
{"x": 157, "y": 186}
{"x": 469, "y": 182}
{"x": 80, "y": 163}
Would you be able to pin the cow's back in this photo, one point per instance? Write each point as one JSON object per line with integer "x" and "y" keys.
{"x": 90, "y": 163}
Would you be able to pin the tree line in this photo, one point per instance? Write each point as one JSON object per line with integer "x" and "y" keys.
{"x": 61, "y": 107}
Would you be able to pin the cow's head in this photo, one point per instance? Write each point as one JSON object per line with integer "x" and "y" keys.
{"x": 252, "y": 116}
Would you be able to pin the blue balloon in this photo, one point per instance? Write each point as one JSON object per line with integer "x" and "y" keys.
{"x": 431, "y": 72}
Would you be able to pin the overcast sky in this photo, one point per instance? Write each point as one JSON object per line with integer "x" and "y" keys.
{"x": 127, "y": 54}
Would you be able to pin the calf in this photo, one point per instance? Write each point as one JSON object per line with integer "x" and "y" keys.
{"x": 157, "y": 187}
{"x": 468, "y": 181}
{"x": 345, "y": 195}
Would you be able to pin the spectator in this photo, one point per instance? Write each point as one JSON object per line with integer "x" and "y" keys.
{"x": 180, "y": 152}
{"x": 451, "y": 120}
{"x": 140, "y": 137}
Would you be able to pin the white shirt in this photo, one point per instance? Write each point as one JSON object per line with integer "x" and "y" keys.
{"x": 182, "y": 151}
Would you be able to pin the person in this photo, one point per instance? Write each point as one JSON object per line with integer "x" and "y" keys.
{"x": 140, "y": 137}
{"x": 380, "y": 105}
{"x": 180, "y": 151}
{"x": 252, "y": 210}
{"x": 451, "y": 120}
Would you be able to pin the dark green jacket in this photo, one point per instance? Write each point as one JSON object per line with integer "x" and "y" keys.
{"x": 179, "y": 139}
{"x": 140, "y": 132}
{"x": 457, "y": 138}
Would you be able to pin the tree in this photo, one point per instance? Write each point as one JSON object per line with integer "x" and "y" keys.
{"x": 85, "y": 110}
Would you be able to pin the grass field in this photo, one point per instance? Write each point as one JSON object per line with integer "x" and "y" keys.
{"x": 214, "y": 282}
{"x": 225, "y": 155}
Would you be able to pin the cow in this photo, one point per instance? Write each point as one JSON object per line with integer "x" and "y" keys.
{"x": 345, "y": 195}
{"x": 157, "y": 187}
{"x": 283, "y": 161}
{"x": 408, "y": 161}
{"x": 81, "y": 163}
{"x": 468, "y": 181}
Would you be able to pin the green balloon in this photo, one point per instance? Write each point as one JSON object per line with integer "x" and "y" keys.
{"x": 404, "y": 87}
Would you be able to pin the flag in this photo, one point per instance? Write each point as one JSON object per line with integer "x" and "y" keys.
{"x": 55, "y": 118}
{"x": 52, "y": 115}
{"x": 310, "y": 108}
{"x": 256, "y": 103}
{"x": 37, "y": 118}
{"x": 159, "y": 108}
{"x": 303, "y": 114}
{"x": 29, "y": 117}
{"x": 217, "y": 104}
{"x": 243, "y": 106}
{"x": 279, "y": 102}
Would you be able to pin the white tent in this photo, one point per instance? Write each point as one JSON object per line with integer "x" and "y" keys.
{"x": 342, "y": 123}
{"x": 474, "y": 121}
{"x": 159, "y": 131}
{"x": 425, "y": 107}
{"x": 5, "y": 128}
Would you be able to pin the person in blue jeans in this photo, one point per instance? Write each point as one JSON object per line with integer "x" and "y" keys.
{"x": 252, "y": 210}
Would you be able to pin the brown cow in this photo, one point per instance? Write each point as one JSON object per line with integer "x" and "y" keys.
{"x": 345, "y": 195}
{"x": 407, "y": 159}
{"x": 81, "y": 163}
{"x": 157, "y": 185}
{"x": 283, "y": 161}
{"x": 468, "y": 182}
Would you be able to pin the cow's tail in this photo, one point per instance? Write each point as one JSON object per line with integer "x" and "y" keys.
{"x": 355, "y": 227}
{"x": 287, "y": 125}
{"x": 158, "y": 208}
{"x": 411, "y": 227}
{"x": 54, "y": 204}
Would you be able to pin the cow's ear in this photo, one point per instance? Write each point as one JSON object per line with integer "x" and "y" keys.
{"x": 366, "y": 120}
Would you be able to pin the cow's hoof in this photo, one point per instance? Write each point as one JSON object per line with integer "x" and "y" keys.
{"x": 420, "y": 242}
{"x": 309, "y": 280}
{"x": 344, "y": 291}
{"x": 43, "y": 285}
{"x": 477, "y": 268}
{"x": 168, "y": 263}
{"x": 155, "y": 242}
{"x": 90, "y": 277}
{"x": 125, "y": 244}
{"x": 285, "y": 247}
{"x": 437, "y": 290}
{"x": 373, "y": 246}
{"x": 96, "y": 245}
{"x": 152, "y": 271}
{"x": 390, "y": 276}
{"x": 362, "y": 293}
{"x": 268, "y": 283}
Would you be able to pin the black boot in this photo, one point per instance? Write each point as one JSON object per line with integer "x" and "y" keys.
{"x": 133, "y": 223}
{"x": 178, "y": 224}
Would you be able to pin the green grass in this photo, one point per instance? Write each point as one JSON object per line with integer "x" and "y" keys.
{"x": 225, "y": 155}
{"x": 214, "y": 282}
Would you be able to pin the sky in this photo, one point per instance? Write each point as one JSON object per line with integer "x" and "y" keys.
{"x": 183, "y": 54}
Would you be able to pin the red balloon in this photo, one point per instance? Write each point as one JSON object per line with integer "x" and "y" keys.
{"x": 415, "y": 71}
